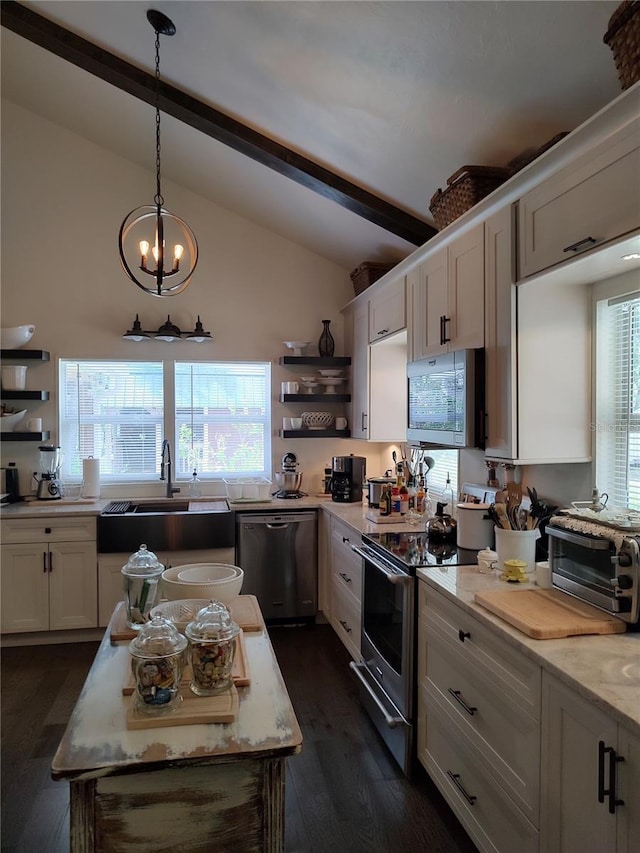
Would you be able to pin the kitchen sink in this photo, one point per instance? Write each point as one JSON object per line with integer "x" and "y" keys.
{"x": 166, "y": 525}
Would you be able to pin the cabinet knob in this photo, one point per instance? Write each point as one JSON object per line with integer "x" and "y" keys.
{"x": 47, "y": 530}
{"x": 463, "y": 635}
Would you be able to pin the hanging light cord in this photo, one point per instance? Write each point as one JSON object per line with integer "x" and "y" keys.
{"x": 158, "y": 200}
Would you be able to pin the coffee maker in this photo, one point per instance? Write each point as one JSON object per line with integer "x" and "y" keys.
{"x": 49, "y": 487}
{"x": 347, "y": 477}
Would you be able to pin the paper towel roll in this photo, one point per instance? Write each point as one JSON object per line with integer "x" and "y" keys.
{"x": 91, "y": 478}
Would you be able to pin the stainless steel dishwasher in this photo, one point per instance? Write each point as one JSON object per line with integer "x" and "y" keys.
{"x": 279, "y": 555}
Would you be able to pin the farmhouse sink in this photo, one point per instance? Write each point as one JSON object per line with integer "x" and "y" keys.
{"x": 166, "y": 525}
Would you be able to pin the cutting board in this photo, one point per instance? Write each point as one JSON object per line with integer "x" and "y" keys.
{"x": 372, "y": 515}
{"x": 239, "y": 672}
{"x": 193, "y": 711}
{"x": 245, "y": 612}
{"x": 546, "y": 614}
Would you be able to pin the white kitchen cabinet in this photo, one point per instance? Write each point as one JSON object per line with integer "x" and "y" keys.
{"x": 110, "y": 585}
{"x": 387, "y": 310}
{"x": 447, "y": 313}
{"x": 537, "y": 359}
{"x": 378, "y": 379}
{"x": 478, "y": 728}
{"x": 593, "y": 200}
{"x": 48, "y": 578}
{"x": 579, "y": 743}
{"x": 346, "y": 585}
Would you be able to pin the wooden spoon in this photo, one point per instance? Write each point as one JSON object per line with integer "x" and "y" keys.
{"x": 503, "y": 518}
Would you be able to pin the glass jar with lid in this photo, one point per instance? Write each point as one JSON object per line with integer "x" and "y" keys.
{"x": 157, "y": 662}
{"x": 141, "y": 576}
{"x": 212, "y": 637}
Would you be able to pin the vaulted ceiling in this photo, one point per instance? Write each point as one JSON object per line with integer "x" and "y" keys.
{"x": 391, "y": 97}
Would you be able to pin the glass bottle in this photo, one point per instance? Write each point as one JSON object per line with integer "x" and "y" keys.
{"x": 141, "y": 576}
{"x": 326, "y": 344}
{"x": 195, "y": 486}
{"x": 449, "y": 498}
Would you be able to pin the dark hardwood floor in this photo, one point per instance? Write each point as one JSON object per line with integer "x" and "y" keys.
{"x": 345, "y": 794}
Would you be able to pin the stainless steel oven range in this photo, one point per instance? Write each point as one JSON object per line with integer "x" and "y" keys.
{"x": 386, "y": 673}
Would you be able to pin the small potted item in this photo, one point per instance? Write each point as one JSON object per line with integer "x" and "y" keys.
{"x": 157, "y": 663}
{"x": 141, "y": 576}
{"x": 515, "y": 571}
{"x": 212, "y": 640}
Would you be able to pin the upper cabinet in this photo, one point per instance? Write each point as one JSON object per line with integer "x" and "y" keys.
{"x": 591, "y": 201}
{"x": 387, "y": 310}
{"x": 447, "y": 297}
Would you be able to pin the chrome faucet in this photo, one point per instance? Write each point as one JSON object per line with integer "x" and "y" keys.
{"x": 165, "y": 462}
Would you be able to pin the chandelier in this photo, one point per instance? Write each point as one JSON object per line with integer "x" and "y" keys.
{"x": 158, "y": 250}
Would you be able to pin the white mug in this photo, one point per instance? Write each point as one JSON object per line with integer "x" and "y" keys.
{"x": 341, "y": 423}
{"x": 34, "y": 425}
{"x": 286, "y": 423}
{"x": 14, "y": 378}
{"x": 289, "y": 387}
{"x": 296, "y": 423}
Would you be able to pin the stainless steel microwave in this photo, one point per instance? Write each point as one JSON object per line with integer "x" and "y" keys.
{"x": 445, "y": 399}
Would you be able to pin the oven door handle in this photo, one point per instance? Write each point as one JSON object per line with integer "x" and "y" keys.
{"x": 392, "y": 577}
{"x": 392, "y": 722}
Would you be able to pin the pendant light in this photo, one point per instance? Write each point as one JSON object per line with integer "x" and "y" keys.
{"x": 158, "y": 250}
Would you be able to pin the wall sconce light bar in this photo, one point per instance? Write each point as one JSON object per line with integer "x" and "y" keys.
{"x": 167, "y": 332}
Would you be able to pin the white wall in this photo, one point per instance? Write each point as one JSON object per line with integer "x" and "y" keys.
{"x": 63, "y": 200}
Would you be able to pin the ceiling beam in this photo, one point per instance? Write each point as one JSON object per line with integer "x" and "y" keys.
{"x": 204, "y": 118}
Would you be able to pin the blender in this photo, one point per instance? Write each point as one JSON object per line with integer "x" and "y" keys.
{"x": 49, "y": 486}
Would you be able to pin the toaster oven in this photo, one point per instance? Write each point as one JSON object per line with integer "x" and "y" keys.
{"x": 597, "y": 564}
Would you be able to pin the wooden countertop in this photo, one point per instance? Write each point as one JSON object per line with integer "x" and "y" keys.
{"x": 97, "y": 742}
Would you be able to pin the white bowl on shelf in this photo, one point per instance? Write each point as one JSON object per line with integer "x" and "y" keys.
{"x": 310, "y": 387}
{"x": 329, "y": 373}
{"x": 9, "y": 422}
{"x": 309, "y": 380}
{"x": 14, "y": 337}
{"x": 317, "y": 420}
{"x": 297, "y": 346}
{"x": 331, "y": 385}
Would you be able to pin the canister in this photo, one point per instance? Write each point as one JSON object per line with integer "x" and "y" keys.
{"x": 475, "y": 526}
{"x": 157, "y": 663}
{"x": 141, "y": 576}
{"x": 212, "y": 638}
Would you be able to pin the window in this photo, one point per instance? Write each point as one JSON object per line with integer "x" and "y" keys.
{"x": 446, "y": 464}
{"x": 617, "y": 421}
{"x": 215, "y": 414}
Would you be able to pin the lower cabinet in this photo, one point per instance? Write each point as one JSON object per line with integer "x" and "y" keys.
{"x": 345, "y": 585}
{"x": 591, "y": 767}
{"x": 48, "y": 575}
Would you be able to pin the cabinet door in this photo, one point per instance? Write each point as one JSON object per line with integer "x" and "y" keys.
{"x": 628, "y": 791}
{"x": 500, "y": 337}
{"x": 387, "y": 310}
{"x": 110, "y": 585}
{"x": 590, "y": 202}
{"x": 572, "y": 819}
{"x": 414, "y": 314}
{"x": 25, "y": 588}
{"x": 359, "y": 333}
{"x": 465, "y": 326}
{"x": 433, "y": 305}
{"x": 73, "y": 586}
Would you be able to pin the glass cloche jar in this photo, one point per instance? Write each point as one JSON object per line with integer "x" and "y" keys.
{"x": 212, "y": 637}
{"x": 141, "y": 577}
{"x": 157, "y": 662}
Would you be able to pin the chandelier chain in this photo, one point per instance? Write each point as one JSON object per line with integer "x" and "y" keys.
{"x": 158, "y": 200}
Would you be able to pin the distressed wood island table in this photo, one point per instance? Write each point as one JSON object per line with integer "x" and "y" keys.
{"x": 209, "y": 788}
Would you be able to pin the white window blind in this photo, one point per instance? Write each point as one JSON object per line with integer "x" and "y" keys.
{"x": 617, "y": 424}
{"x": 446, "y": 464}
{"x": 113, "y": 411}
{"x": 216, "y": 416}
{"x": 222, "y": 418}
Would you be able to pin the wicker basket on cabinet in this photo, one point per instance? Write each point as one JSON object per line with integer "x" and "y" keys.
{"x": 365, "y": 275}
{"x": 623, "y": 37}
{"x": 465, "y": 188}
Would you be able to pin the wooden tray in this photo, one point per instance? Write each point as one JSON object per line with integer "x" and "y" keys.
{"x": 546, "y": 614}
{"x": 239, "y": 673}
{"x": 384, "y": 519}
{"x": 194, "y": 711}
{"x": 245, "y": 612}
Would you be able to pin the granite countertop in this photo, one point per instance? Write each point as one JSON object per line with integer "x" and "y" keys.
{"x": 604, "y": 669}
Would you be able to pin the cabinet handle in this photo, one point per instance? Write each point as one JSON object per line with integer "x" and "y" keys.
{"x": 445, "y": 339}
{"x": 463, "y": 635}
{"x": 345, "y": 626}
{"x": 580, "y": 244}
{"x": 44, "y": 562}
{"x": 50, "y": 561}
{"x": 458, "y": 697}
{"x": 609, "y": 792}
{"x": 363, "y": 424}
{"x": 441, "y": 329}
{"x": 345, "y": 577}
{"x": 383, "y": 332}
{"x": 455, "y": 778}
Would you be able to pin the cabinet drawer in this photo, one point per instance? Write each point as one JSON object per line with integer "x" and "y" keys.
{"x": 50, "y": 529}
{"x": 500, "y": 666}
{"x": 490, "y": 817}
{"x": 594, "y": 199}
{"x": 345, "y": 618}
{"x": 344, "y": 561}
{"x": 500, "y": 734}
